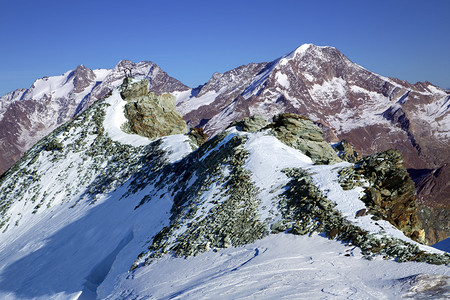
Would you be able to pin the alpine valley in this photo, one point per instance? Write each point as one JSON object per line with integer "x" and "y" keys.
{"x": 307, "y": 177}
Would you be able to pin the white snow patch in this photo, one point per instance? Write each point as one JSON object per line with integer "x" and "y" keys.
{"x": 297, "y": 52}
{"x": 435, "y": 90}
{"x": 115, "y": 118}
{"x": 329, "y": 90}
{"x": 177, "y": 147}
{"x": 282, "y": 80}
{"x": 101, "y": 74}
{"x": 186, "y": 104}
{"x": 55, "y": 86}
{"x": 182, "y": 96}
{"x": 308, "y": 77}
{"x": 268, "y": 156}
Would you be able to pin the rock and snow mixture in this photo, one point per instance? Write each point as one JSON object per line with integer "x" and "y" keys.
{"x": 94, "y": 212}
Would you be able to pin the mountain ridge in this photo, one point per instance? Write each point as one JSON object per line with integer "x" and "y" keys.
{"x": 94, "y": 211}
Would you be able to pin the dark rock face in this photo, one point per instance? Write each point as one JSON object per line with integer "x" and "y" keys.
{"x": 435, "y": 214}
{"x": 148, "y": 114}
{"x": 82, "y": 78}
{"x": 390, "y": 195}
{"x": 300, "y": 133}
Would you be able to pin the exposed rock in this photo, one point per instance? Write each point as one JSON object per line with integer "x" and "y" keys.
{"x": 54, "y": 145}
{"x": 346, "y": 151}
{"x": 233, "y": 218}
{"x": 149, "y": 114}
{"x": 361, "y": 213}
{"x": 300, "y": 133}
{"x": 435, "y": 222}
{"x": 198, "y": 136}
{"x": 390, "y": 194}
{"x": 305, "y": 211}
{"x": 250, "y": 124}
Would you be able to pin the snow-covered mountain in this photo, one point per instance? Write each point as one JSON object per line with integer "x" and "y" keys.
{"x": 27, "y": 115}
{"x": 262, "y": 209}
{"x": 372, "y": 112}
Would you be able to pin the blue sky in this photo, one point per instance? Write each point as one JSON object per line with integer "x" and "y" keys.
{"x": 190, "y": 40}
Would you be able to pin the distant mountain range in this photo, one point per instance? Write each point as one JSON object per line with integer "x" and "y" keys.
{"x": 372, "y": 112}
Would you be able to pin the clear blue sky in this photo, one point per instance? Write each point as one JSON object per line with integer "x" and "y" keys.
{"x": 190, "y": 40}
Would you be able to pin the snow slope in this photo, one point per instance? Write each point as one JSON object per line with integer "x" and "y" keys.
{"x": 89, "y": 199}
{"x": 280, "y": 266}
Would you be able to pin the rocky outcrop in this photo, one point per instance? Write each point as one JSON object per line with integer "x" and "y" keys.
{"x": 250, "y": 124}
{"x": 197, "y": 136}
{"x": 434, "y": 214}
{"x": 390, "y": 194}
{"x": 305, "y": 211}
{"x": 148, "y": 114}
{"x": 346, "y": 151}
{"x": 231, "y": 216}
{"x": 300, "y": 133}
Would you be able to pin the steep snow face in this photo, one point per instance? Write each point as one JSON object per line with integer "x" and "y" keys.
{"x": 221, "y": 91}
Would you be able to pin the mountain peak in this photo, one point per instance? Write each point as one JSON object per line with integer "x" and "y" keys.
{"x": 82, "y": 78}
{"x": 298, "y": 53}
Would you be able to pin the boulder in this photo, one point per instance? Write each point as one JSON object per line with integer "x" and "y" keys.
{"x": 148, "y": 114}
{"x": 251, "y": 124}
{"x": 301, "y": 133}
